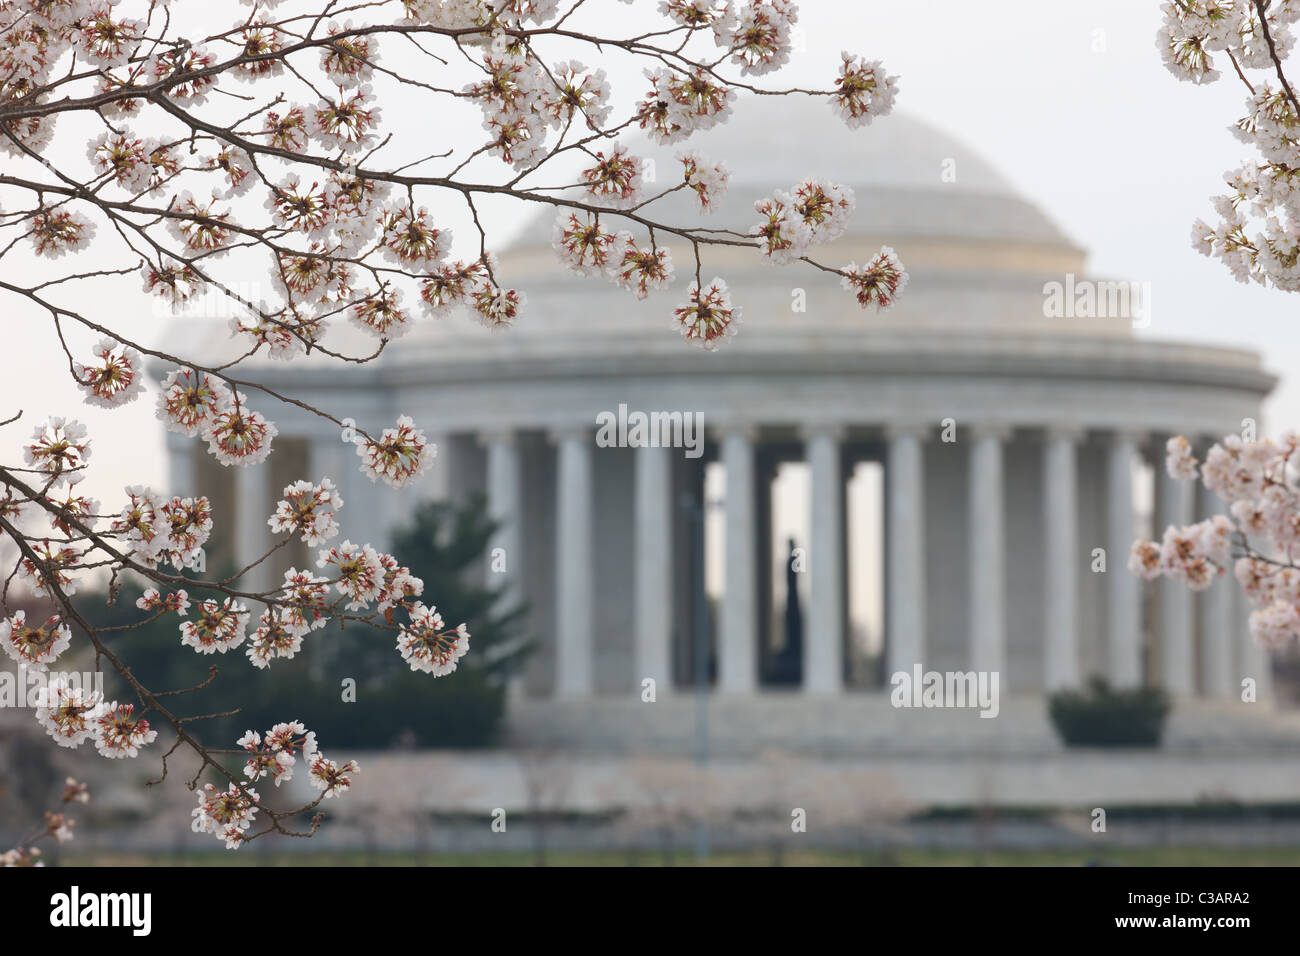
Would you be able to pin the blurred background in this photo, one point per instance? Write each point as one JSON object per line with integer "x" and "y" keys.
{"x": 681, "y": 657}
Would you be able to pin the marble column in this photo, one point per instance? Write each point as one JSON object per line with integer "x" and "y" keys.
{"x": 574, "y": 567}
{"x": 1124, "y": 607}
{"x": 654, "y": 591}
{"x": 824, "y": 649}
{"x": 737, "y": 664}
{"x": 905, "y": 539}
{"x": 435, "y": 484}
{"x": 1177, "y": 627}
{"x": 505, "y": 493}
{"x": 1254, "y": 662}
{"x": 987, "y": 555}
{"x": 1061, "y": 558}
{"x": 1217, "y": 621}
{"x": 505, "y": 506}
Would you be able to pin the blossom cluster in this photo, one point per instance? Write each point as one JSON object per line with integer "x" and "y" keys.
{"x": 73, "y": 714}
{"x": 196, "y": 403}
{"x": 1258, "y": 479}
{"x": 309, "y": 184}
{"x": 56, "y": 825}
{"x": 157, "y": 528}
{"x": 229, "y": 814}
{"x": 1257, "y": 235}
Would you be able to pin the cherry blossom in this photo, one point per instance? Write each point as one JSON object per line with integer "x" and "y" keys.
{"x": 56, "y": 564}
{"x": 201, "y": 228}
{"x": 1179, "y": 460}
{"x": 718, "y": 15}
{"x": 21, "y": 857}
{"x": 258, "y": 168}
{"x": 1144, "y": 560}
{"x": 400, "y": 586}
{"x": 1259, "y": 537}
{"x": 398, "y": 456}
{"x": 119, "y": 733}
{"x": 59, "y": 448}
{"x": 642, "y": 270}
{"x": 760, "y": 39}
{"x": 309, "y": 511}
{"x": 236, "y": 434}
{"x": 708, "y": 180}
{"x": 227, "y": 814}
{"x": 59, "y": 826}
{"x": 1257, "y": 236}
{"x": 123, "y": 159}
{"x": 116, "y": 380}
{"x": 1275, "y": 625}
{"x": 186, "y": 524}
{"x": 190, "y": 399}
{"x": 74, "y": 508}
{"x": 824, "y": 208}
{"x": 428, "y": 645}
{"x": 299, "y": 208}
{"x": 34, "y": 646}
{"x": 782, "y": 233}
{"x": 708, "y": 318}
{"x": 304, "y": 597}
{"x": 497, "y": 307}
{"x": 879, "y": 282}
{"x": 68, "y": 711}
{"x": 139, "y": 526}
{"x": 152, "y": 600}
{"x": 699, "y": 102}
{"x": 381, "y": 314}
{"x": 190, "y": 62}
{"x": 272, "y": 640}
{"x": 265, "y": 759}
{"x": 360, "y": 574}
{"x": 455, "y": 284}
{"x": 348, "y": 60}
{"x": 411, "y": 239}
{"x": 287, "y": 132}
{"x": 291, "y": 737}
{"x": 576, "y": 92}
{"x": 75, "y": 792}
{"x": 614, "y": 180}
{"x": 59, "y": 232}
{"x": 331, "y": 778}
{"x": 287, "y": 335}
{"x": 863, "y": 90}
{"x": 584, "y": 247}
{"x": 176, "y": 285}
{"x": 216, "y": 628}
{"x": 236, "y": 167}
{"x": 106, "y": 41}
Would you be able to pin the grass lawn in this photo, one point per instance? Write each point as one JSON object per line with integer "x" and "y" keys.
{"x": 1138, "y": 856}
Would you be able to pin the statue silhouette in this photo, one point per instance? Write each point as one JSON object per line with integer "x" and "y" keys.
{"x": 787, "y": 666}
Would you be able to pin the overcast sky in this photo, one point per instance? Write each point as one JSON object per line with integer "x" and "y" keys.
{"x": 1069, "y": 101}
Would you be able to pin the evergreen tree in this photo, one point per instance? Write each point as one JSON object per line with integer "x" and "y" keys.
{"x": 350, "y": 684}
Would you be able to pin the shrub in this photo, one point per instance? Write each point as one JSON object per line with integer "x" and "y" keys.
{"x": 1100, "y": 716}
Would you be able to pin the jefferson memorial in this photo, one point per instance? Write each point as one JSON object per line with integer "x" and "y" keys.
{"x": 1016, "y": 449}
